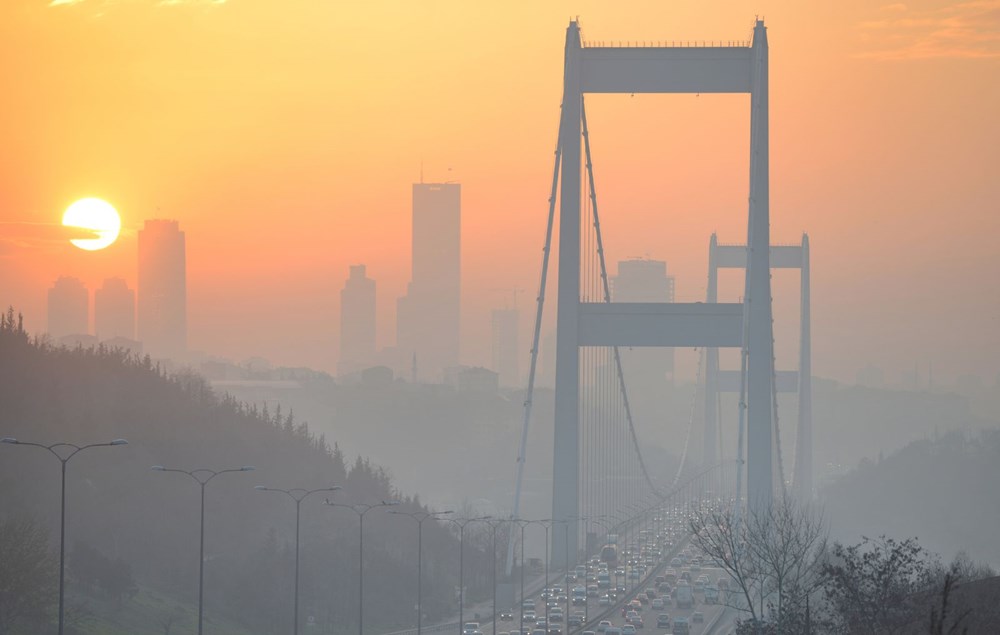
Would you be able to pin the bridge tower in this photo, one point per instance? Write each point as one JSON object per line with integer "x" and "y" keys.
{"x": 732, "y": 68}
{"x": 720, "y": 381}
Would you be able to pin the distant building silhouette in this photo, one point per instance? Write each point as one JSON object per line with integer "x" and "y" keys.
{"x": 428, "y": 316}
{"x": 68, "y": 309}
{"x": 506, "y": 351}
{"x": 357, "y": 322}
{"x": 114, "y": 310}
{"x": 648, "y": 371}
{"x": 162, "y": 308}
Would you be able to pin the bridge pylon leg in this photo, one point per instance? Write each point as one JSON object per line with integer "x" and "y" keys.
{"x": 566, "y": 449}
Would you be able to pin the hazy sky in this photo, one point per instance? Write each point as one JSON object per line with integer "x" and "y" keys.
{"x": 284, "y": 136}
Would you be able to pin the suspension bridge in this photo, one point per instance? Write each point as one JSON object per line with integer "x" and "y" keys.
{"x": 598, "y": 462}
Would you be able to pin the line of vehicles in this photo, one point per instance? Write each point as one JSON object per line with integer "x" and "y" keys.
{"x": 615, "y": 573}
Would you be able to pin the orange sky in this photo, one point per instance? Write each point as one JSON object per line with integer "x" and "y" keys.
{"x": 284, "y": 136}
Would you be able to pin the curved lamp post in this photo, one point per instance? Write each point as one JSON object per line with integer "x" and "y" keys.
{"x": 462, "y": 522}
{"x": 64, "y": 452}
{"x": 202, "y": 476}
{"x": 420, "y": 517}
{"x": 297, "y": 494}
{"x": 361, "y": 509}
{"x": 494, "y": 525}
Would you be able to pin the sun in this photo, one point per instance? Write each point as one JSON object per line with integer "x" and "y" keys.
{"x": 96, "y": 215}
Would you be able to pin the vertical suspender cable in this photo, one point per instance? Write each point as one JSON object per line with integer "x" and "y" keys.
{"x": 607, "y": 298}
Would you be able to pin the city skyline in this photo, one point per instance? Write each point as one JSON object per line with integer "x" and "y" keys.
{"x": 890, "y": 167}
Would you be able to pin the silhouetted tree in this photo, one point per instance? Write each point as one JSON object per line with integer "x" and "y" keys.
{"x": 878, "y": 586}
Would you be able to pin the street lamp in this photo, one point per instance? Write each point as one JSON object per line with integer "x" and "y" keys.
{"x": 462, "y": 522}
{"x": 297, "y": 494}
{"x": 202, "y": 476}
{"x": 73, "y": 450}
{"x": 361, "y": 509}
{"x": 420, "y": 517}
{"x": 493, "y": 526}
{"x": 524, "y": 523}
{"x": 566, "y": 524}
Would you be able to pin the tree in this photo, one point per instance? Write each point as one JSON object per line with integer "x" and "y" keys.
{"x": 877, "y": 586}
{"x": 774, "y": 555}
{"x": 939, "y": 617}
{"x": 27, "y": 574}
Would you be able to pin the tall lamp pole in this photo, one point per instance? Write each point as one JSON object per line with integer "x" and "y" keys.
{"x": 297, "y": 494}
{"x": 493, "y": 526}
{"x": 420, "y": 517}
{"x": 202, "y": 476}
{"x": 64, "y": 452}
{"x": 461, "y": 523}
{"x": 361, "y": 509}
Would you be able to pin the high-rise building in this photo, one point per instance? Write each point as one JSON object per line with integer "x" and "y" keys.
{"x": 69, "y": 308}
{"x": 162, "y": 307}
{"x": 114, "y": 310}
{"x": 505, "y": 347}
{"x": 429, "y": 315}
{"x": 357, "y": 322}
{"x": 648, "y": 371}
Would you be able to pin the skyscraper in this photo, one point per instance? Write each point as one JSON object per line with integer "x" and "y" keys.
{"x": 68, "y": 308}
{"x": 648, "y": 371}
{"x": 114, "y": 310}
{"x": 162, "y": 307}
{"x": 357, "y": 322}
{"x": 429, "y": 315}
{"x": 505, "y": 347}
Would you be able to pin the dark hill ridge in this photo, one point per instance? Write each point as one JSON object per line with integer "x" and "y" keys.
{"x": 117, "y": 506}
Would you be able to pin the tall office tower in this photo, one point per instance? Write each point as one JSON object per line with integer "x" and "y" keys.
{"x": 505, "y": 347}
{"x": 357, "y": 322}
{"x": 429, "y": 315}
{"x": 69, "y": 308}
{"x": 162, "y": 307}
{"x": 114, "y": 310}
{"x": 648, "y": 371}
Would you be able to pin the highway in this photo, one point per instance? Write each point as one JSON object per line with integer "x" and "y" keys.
{"x": 667, "y": 555}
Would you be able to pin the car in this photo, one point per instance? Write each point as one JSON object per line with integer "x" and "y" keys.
{"x": 657, "y": 604}
{"x": 604, "y": 600}
{"x": 471, "y": 628}
{"x": 697, "y": 617}
{"x": 629, "y": 629}
{"x": 603, "y": 626}
{"x": 506, "y": 616}
{"x": 650, "y": 593}
{"x": 663, "y": 620}
{"x": 555, "y": 630}
{"x": 529, "y": 616}
{"x": 555, "y": 615}
{"x": 576, "y": 619}
{"x": 528, "y": 604}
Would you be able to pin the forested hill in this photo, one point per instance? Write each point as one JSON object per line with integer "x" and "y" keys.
{"x": 943, "y": 490}
{"x": 148, "y": 520}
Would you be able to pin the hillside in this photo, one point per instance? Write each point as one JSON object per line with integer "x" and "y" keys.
{"x": 942, "y": 490}
{"x": 148, "y": 521}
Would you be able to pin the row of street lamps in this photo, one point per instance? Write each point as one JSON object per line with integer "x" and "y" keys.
{"x": 66, "y": 451}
